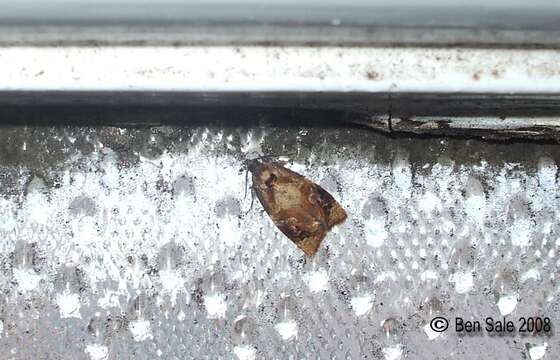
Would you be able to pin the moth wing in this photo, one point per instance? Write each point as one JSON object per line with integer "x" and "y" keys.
{"x": 334, "y": 213}
{"x": 305, "y": 221}
{"x": 311, "y": 244}
{"x": 304, "y": 230}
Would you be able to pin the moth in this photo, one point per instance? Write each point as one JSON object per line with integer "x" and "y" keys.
{"x": 301, "y": 209}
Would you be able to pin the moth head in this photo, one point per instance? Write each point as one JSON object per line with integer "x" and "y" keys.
{"x": 252, "y": 165}
{"x": 255, "y": 165}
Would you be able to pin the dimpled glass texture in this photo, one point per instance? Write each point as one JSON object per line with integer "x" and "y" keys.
{"x": 121, "y": 243}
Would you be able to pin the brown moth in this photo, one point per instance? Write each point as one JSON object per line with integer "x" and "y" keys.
{"x": 301, "y": 209}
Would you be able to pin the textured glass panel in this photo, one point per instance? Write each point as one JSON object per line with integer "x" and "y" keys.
{"x": 140, "y": 243}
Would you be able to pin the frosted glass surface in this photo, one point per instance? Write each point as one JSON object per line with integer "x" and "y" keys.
{"x": 139, "y": 243}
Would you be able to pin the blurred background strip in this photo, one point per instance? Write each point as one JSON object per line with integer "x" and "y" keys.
{"x": 438, "y": 67}
{"x": 335, "y": 22}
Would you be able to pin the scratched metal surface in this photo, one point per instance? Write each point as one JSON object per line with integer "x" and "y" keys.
{"x": 134, "y": 243}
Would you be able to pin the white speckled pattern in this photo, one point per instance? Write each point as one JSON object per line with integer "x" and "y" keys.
{"x": 108, "y": 257}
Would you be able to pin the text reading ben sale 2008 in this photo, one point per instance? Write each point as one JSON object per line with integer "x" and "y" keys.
{"x": 528, "y": 325}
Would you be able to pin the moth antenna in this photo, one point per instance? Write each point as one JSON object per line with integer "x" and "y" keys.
{"x": 252, "y": 202}
{"x": 246, "y": 182}
{"x": 252, "y": 199}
